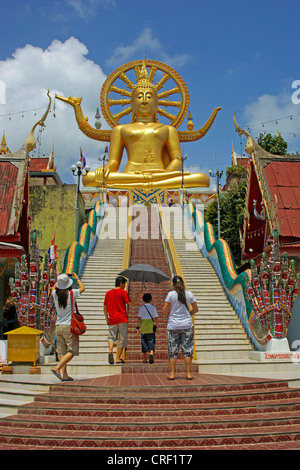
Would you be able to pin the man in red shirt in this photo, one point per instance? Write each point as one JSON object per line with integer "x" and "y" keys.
{"x": 115, "y": 311}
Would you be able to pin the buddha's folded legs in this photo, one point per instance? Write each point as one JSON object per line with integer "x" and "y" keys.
{"x": 146, "y": 181}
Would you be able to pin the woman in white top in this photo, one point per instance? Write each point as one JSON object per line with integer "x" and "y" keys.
{"x": 67, "y": 343}
{"x": 180, "y": 326}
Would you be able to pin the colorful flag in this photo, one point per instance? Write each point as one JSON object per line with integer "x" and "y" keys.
{"x": 52, "y": 252}
{"x": 106, "y": 150}
{"x": 82, "y": 158}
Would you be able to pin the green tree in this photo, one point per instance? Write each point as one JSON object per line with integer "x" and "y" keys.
{"x": 232, "y": 207}
{"x": 274, "y": 144}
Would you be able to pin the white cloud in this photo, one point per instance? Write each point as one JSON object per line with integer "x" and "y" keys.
{"x": 64, "y": 69}
{"x": 145, "y": 45}
{"x": 273, "y": 114}
{"x": 85, "y": 9}
{"x": 62, "y": 11}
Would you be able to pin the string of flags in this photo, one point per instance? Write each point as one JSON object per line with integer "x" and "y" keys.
{"x": 256, "y": 127}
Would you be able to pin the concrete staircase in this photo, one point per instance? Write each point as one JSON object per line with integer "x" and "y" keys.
{"x": 17, "y": 390}
{"x": 219, "y": 332}
{"x": 98, "y": 276}
{"x": 139, "y": 411}
{"x": 222, "y": 345}
{"x": 148, "y": 250}
{"x": 100, "y": 271}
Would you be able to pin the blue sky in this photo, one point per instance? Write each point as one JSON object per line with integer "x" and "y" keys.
{"x": 240, "y": 55}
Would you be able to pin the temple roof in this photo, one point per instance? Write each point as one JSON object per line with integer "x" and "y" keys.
{"x": 39, "y": 164}
{"x": 283, "y": 179}
{"x": 272, "y": 202}
{"x": 42, "y": 163}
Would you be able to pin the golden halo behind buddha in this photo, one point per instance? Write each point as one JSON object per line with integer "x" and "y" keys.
{"x": 175, "y": 98}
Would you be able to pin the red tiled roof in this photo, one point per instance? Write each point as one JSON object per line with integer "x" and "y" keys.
{"x": 38, "y": 164}
{"x": 283, "y": 179}
{"x": 8, "y": 184}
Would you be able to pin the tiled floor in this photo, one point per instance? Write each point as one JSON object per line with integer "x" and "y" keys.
{"x": 161, "y": 379}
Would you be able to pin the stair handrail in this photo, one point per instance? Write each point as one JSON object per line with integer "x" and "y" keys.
{"x": 168, "y": 244}
{"x": 78, "y": 251}
{"x": 128, "y": 240}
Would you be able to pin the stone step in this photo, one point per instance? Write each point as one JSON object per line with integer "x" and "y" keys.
{"x": 15, "y": 392}
{"x": 142, "y": 399}
{"x": 215, "y": 322}
{"x": 212, "y": 412}
{"x": 208, "y": 336}
{"x": 141, "y": 424}
{"x": 208, "y": 341}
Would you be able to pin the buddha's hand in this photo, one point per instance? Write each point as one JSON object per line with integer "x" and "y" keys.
{"x": 99, "y": 173}
{"x": 107, "y": 171}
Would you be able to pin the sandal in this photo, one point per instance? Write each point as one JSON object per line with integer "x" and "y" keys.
{"x": 57, "y": 374}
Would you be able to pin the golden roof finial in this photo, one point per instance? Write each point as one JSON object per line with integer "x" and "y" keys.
{"x": 4, "y": 148}
{"x": 51, "y": 165}
{"x": 190, "y": 124}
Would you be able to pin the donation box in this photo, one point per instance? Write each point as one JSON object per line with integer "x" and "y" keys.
{"x": 23, "y": 345}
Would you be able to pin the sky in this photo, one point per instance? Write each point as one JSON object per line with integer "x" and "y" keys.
{"x": 242, "y": 56}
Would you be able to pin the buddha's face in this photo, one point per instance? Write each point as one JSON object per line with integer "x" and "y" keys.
{"x": 144, "y": 102}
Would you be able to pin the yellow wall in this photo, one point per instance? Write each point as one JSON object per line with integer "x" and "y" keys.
{"x": 53, "y": 209}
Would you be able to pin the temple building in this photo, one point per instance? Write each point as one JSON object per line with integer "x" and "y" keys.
{"x": 14, "y": 200}
{"x": 33, "y": 197}
{"x": 272, "y": 202}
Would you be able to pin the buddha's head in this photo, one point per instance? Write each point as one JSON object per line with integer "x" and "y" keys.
{"x": 144, "y": 97}
{"x": 144, "y": 103}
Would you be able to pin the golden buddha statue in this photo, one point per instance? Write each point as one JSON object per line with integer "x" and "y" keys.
{"x": 153, "y": 148}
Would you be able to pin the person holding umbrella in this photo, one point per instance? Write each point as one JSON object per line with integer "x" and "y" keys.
{"x": 180, "y": 326}
{"x": 144, "y": 273}
{"x": 115, "y": 312}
